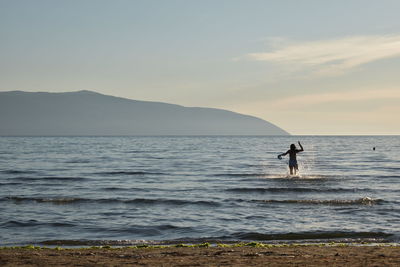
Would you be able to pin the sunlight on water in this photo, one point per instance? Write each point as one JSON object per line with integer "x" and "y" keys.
{"x": 299, "y": 175}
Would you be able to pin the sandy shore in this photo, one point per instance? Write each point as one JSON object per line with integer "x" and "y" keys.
{"x": 206, "y": 256}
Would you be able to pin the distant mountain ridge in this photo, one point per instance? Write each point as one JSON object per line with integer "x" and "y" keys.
{"x": 91, "y": 113}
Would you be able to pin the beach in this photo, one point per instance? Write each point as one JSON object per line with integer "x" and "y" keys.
{"x": 280, "y": 255}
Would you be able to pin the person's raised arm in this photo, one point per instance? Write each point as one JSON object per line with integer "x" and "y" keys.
{"x": 302, "y": 149}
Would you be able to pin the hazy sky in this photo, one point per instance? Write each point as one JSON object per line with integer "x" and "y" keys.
{"x": 310, "y": 66}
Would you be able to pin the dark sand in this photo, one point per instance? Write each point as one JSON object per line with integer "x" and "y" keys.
{"x": 211, "y": 256}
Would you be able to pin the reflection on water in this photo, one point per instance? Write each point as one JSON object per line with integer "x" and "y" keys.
{"x": 100, "y": 190}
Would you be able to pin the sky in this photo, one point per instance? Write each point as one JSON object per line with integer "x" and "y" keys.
{"x": 311, "y": 67}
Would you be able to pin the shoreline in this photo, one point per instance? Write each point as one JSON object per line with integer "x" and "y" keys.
{"x": 249, "y": 254}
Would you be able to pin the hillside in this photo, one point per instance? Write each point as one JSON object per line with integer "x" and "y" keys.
{"x": 91, "y": 113}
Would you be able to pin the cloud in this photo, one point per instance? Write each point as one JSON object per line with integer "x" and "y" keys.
{"x": 333, "y": 56}
{"x": 349, "y": 96}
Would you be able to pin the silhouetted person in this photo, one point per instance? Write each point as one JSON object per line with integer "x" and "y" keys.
{"x": 373, "y": 149}
{"x": 292, "y": 157}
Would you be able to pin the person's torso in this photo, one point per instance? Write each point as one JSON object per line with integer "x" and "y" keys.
{"x": 292, "y": 154}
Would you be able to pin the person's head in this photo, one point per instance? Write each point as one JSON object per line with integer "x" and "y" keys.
{"x": 292, "y": 147}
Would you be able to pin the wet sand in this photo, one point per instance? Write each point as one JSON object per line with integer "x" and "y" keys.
{"x": 207, "y": 256}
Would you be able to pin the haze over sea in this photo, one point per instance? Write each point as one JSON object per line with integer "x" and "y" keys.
{"x": 129, "y": 190}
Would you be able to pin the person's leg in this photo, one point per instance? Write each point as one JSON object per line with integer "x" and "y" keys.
{"x": 291, "y": 170}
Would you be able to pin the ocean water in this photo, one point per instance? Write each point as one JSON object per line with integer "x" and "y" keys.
{"x": 130, "y": 190}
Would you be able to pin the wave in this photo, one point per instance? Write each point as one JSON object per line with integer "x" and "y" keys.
{"x": 319, "y": 235}
{"x": 297, "y": 176}
{"x": 181, "y": 202}
{"x": 239, "y": 175}
{"x": 45, "y": 200}
{"x": 176, "y": 202}
{"x": 145, "y": 230}
{"x": 272, "y": 176}
{"x": 359, "y": 201}
{"x": 137, "y": 201}
{"x": 294, "y": 189}
{"x": 73, "y": 161}
{"x": 51, "y": 178}
{"x": 31, "y": 223}
{"x": 114, "y": 188}
{"x": 10, "y": 183}
{"x": 137, "y": 189}
{"x": 130, "y": 173}
{"x": 146, "y": 151}
{"x": 17, "y": 172}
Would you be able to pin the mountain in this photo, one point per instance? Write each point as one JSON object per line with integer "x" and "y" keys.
{"x": 91, "y": 113}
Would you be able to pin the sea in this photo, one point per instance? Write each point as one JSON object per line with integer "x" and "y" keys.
{"x": 94, "y": 191}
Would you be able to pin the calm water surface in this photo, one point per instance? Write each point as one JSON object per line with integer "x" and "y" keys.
{"x": 128, "y": 190}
